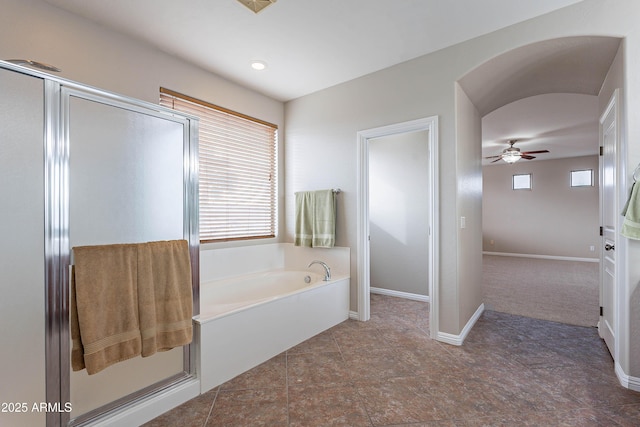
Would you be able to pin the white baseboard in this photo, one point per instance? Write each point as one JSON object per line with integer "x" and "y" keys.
{"x": 553, "y": 257}
{"x": 399, "y": 294}
{"x": 459, "y": 339}
{"x": 424, "y": 298}
{"x": 632, "y": 383}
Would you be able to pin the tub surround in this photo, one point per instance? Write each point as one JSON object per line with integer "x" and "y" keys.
{"x": 227, "y": 296}
{"x": 216, "y": 264}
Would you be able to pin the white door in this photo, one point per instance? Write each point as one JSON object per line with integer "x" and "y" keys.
{"x": 609, "y": 214}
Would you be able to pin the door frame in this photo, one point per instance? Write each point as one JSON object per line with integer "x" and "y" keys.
{"x": 429, "y": 124}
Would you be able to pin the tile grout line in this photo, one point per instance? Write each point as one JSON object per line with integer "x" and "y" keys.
{"x": 521, "y": 351}
{"x": 286, "y": 382}
{"x": 206, "y": 420}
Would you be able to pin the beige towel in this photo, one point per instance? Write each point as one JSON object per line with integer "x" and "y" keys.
{"x": 164, "y": 294}
{"x": 104, "y": 306}
{"x": 129, "y": 300}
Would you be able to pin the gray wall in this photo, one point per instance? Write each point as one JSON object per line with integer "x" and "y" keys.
{"x": 468, "y": 296}
{"x": 322, "y": 127}
{"x": 550, "y": 219}
{"x": 398, "y": 212}
{"x": 90, "y": 54}
{"x": 320, "y": 136}
{"x": 94, "y": 55}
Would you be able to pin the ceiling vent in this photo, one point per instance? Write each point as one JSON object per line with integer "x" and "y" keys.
{"x": 257, "y": 5}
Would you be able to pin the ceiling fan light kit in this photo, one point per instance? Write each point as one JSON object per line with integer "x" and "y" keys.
{"x": 257, "y": 5}
{"x": 513, "y": 154}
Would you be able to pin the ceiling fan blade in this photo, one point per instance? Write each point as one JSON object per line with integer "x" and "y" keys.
{"x": 528, "y": 157}
{"x": 492, "y": 157}
{"x": 535, "y": 152}
{"x": 496, "y": 160}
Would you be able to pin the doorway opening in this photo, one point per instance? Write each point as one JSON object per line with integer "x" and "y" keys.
{"x": 398, "y": 213}
{"x": 540, "y": 240}
{"x": 589, "y": 65}
{"x": 428, "y": 127}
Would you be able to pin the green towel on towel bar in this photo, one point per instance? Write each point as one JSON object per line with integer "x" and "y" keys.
{"x": 631, "y": 212}
{"x": 315, "y": 219}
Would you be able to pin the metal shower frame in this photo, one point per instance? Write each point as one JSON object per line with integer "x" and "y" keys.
{"x": 57, "y": 251}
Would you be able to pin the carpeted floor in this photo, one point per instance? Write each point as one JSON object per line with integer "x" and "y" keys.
{"x": 560, "y": 291}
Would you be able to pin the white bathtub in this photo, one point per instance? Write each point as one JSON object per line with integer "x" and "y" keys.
{"x": 247, "y": 320}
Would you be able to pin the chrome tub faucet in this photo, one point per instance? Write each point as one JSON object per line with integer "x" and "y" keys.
{"x": 327, "y": 270}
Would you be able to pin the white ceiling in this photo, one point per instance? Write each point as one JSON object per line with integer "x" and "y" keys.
{"x": 565, "y": 124}
{"x": 567, "y": 64}
{"x": 308, "y": 45}
{"x": 544, "y": 95}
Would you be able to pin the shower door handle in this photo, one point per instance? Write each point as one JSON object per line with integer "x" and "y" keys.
{"x": 609, "y": 247}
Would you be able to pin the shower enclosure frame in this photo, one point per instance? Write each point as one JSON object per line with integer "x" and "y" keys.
{"x": 56, "y": 142}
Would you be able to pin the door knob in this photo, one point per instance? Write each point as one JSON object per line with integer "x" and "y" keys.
{"x": 609, "y": 247}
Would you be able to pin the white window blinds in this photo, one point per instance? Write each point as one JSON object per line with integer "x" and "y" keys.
{"x": 237, "y": 171}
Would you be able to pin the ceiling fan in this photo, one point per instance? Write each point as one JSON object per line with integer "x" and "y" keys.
{"x": 513, "y": 154}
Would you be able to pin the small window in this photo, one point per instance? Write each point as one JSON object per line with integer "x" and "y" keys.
{"x": 522, "y": 182}
{"x": 582, "y": 178}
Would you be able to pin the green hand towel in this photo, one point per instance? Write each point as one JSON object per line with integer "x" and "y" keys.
{"x": 324, "y": 221}
{"x": 304, "y": 219}
{"x": 315, "y": 219}
{"x": 631, "y": 212}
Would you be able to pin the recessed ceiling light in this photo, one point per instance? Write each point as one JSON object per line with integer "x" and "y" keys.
{"x": 258, "y": 65}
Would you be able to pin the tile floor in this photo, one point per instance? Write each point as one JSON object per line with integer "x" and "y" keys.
{"x": 511, "y": 371}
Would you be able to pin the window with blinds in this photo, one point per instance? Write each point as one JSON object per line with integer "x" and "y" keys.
{"x": 237, "y": 171}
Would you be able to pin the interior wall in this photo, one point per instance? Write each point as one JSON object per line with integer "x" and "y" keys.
{"x": 551, "y": 219}
{"x": 94, "y": 55}
{"x": 321, "y": 142}
{"x": 470, "y": 201}
{"x": 322, "y": 127}
{"x": 399, "y": 212}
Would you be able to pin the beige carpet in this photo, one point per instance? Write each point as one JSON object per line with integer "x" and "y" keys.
{"x": 560, "y": 291}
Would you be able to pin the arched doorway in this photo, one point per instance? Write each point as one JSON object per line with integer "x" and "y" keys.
{"x": 577, "y": 65}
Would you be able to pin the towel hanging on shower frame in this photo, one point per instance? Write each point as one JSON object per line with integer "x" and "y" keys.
{"x": 631, "y": 210}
